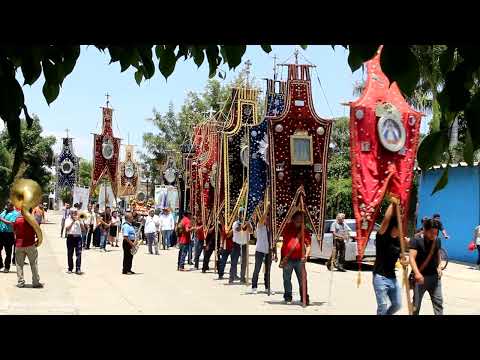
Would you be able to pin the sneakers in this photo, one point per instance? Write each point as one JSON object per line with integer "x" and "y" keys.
{"x": 6, "y": 270}
{"x": 38, "y": 286}
{"x": 288, "y": 302}
{"x": 220, "y": 277}
{"x": 69, "y": 271}
{"x": 78, "y": 272}
{"x": 271, "y": 292}
{"x": 21, "y": 285}
{"x": 130, "y": 273}
{"x": 254, "y": 291}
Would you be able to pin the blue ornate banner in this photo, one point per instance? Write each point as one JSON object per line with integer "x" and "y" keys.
{"x": 67, "y": 166}
{"x": 258, "y": 147}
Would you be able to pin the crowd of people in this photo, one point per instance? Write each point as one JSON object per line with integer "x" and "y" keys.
{"x": 92, "y": 228}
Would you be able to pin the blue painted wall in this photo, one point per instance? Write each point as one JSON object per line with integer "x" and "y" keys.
{"x": 458, "y": 204}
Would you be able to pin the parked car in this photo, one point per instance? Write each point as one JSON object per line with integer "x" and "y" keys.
{"x": 351, "y": 250}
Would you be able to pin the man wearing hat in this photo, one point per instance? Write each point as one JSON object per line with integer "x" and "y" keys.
{"x": 241, "y": 235}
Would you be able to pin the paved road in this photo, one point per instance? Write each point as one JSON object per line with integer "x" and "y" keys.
{"x": 158, "y": 288}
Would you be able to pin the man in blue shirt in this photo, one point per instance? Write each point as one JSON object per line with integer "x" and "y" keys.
{"x": 128, "y": 233}
{"x": 7, "y": 238}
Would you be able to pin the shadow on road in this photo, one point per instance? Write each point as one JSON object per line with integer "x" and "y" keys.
{"x": 297, "y": 303}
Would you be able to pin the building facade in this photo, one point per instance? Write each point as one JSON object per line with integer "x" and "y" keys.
{"x": 458, "y": 204}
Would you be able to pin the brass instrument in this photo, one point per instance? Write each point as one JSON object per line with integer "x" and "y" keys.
{"x": 83, "y": 215}
{"x": 26, "y": 194}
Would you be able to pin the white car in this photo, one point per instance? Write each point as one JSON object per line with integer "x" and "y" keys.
{"x": 351, "y": 250}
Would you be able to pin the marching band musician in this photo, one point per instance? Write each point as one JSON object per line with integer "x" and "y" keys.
{"x": 241, "y": 235}
{"x": 128, "y": 233}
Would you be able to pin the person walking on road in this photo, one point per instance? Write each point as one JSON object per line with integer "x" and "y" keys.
{"x": 7, "y": 237}
{"x": 184, "y": 229}
{"x": 208, "y": 248}
{"x": 167, "y": 225}
{"x": 426, "y": 266}
{"x": 66, "y": 213}
{"x": 199, "y": 242}
{"x": 26, "y": 246}
{"x": 262, "y": 251}
{"x": 226, "y": 246}
{"x": 385, "y": 284}
{"x": 128, "y": 233}
{"x": 74, "y": 228}
{"x": 476, "y": 239}
{"x": 341, "y": 233}
{"x": 292, "y": 256}
{"x": 113, "y": 229}
{"x": 151, "y": 232}
{"x": 241, "y": 235}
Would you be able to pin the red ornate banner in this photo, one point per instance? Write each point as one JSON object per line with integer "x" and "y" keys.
{"x": 298, "y": 141}
{"x": 105, "y": 154}
{"x": 384, "y": 136}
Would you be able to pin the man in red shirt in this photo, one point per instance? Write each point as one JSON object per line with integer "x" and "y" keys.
{"x": 200, "y": 243}
{"x": 185, "y": 228}
{"x": 26, "y": 246}
{"x": 293, "y": 256}
{"x": 226, "y": 247}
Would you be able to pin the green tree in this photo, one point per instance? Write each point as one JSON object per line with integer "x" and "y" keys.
{"x": 85, "y": 172}
{"x": 459, "y": 65}
{"x": 38, "y": 156}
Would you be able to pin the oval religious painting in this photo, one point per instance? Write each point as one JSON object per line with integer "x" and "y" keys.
{"x": 391, "y": 133}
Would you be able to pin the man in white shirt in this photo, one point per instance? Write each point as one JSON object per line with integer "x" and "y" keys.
{"x": 241, "y": 235}
{"x": 66, "y": 214}
{"x": 151, "y": 232}
{"x": 262, "y": 251}
{"x": 167, "y": 224}
{"x": 73, "y": 228}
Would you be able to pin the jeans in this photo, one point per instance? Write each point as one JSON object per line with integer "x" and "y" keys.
{"x": 260, "y": 258}
{"x": 291, "y": 265}
{"x": 198, "y": 251}
{"x": 166, "y": 234}
{"x": 182, "y": 253}
{"x": 152, "y": 241}
{"x": 32, "y": 253}
{"x": 478, "y": 251}
{"x": 84, "y": 240}
{"x": 339, "y": 253}
{"x": 7, "y": 240}
{"x": 387, "y": 290}
{"x": 74, "y": 243}
{"x": 433, "y": 285}
{"x": 127, "y": 257}
{"x": 103, "y": 240}
{"x": 96, "y": 237}
{"x": 207, "y": 253}
{"x": 89, "y": 236}
{"x": 224, "y": 254}
{"x": 190, "y": 252}
{"x": 237, "y": 249}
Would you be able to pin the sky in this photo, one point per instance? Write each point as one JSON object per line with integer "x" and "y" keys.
{"x": 83, "y": 92}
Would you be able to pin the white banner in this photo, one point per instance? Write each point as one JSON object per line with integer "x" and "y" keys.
{"x": 80, "y": 195}
{"x": 101, "y": 197}
{"x": 166, "y": 196}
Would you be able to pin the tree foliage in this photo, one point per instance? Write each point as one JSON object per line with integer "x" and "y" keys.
{"x": 37, "y": 158}
{"x": 458, "y": 65}
{"x": 85, "y": 172}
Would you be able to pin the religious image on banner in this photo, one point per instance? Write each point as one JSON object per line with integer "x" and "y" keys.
{"x": 235, "y": 150}
{"x": 106, "y": 196}
{"x": 384, "y": 136}
{"x": 106, "y": 149}
{"x": 298, "y": 141}
{"x": 81, "y": 196}
{"x": 128, "y": 174}
{"x": 67, "y": 166}
{"x": 258, "y": 158}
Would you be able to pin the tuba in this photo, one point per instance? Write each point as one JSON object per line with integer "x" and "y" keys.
{"x": 83, "y": 215}
{"x": 26, "y": 194}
